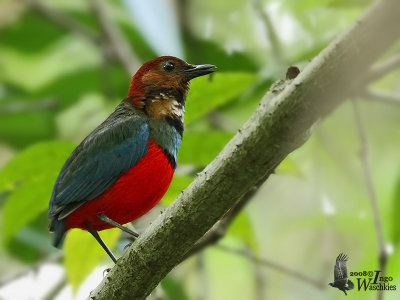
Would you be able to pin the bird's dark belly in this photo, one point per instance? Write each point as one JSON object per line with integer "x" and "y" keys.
{"x": 131, "y": 196}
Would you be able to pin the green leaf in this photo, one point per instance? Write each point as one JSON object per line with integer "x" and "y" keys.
{"x": 30, "y": 33}
{"x": 241, "y": 227}
{"x": 70, "y": 56}
{"x": 349, "y": 3}
{"x": 206, "y": 94}
{"x": 396, "y": 219}
{"x": 29, "y": 180}
{"x": 289, "y": 166}
{"x": 200, "y": 148}
{"x": 33, "y": 242}
{"x": 82, "y": 253}
{"x": 178, "y": 184}
{"x": 173, "y": 289}
{"x": 14, "y": 129}
{"x": 214, "y": 53}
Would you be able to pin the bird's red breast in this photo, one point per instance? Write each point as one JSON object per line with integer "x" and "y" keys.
{"x": 131, "y": 196}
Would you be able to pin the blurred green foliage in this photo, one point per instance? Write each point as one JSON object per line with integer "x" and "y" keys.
{"x": 56, "y": 85}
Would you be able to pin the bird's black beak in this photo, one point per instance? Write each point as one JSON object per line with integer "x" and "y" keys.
{"x": 199, "y": 70}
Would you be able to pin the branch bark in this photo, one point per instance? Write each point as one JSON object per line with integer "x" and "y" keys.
{"x": 384, "y": 68}
{"x": 279, "y": 125}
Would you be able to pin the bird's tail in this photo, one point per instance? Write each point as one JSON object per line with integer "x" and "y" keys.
{"x": 58, "y": 227}
{"x": 350, "y": 284}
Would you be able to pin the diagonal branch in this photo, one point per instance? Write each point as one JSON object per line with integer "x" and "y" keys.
{"x": 389, "y": 98}
{"x": 273, "y": 37}
{"x": 280, "y": 124}
{"x": 276, "y": 266}
{"x": 384, "y": 68}
{"x": 63, "y": 20}
{"x": 112, "y": 41}
{"x": 115, "y": 39}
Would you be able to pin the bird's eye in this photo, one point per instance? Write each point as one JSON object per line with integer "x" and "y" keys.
{"x": 169, "y": 66}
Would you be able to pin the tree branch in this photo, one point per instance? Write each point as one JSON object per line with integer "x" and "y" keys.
{"x": 380, "y": 96}
{"x": 63, "y": 20}
{"x": 383, "y": 255}
{"x": 273, "y": 265}
{"x": 14, "y": 276}
{"x": 384, "y": 68}
{"x": 279, "y": 125}
{"x": 271, "y": 32}
{"x": 21, "y": 107}
{"x": 112, "y": 42}
{"x": 115, "y": 39}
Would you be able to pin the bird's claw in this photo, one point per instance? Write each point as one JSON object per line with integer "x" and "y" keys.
{"x": 105, "y": 272}
{"x": 127, "y": 246}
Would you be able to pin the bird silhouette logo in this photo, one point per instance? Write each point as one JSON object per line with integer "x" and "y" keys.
{"x": 341, "y": 281}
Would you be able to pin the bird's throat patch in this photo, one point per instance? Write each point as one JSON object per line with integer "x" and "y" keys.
{"x": 163, "y": 107}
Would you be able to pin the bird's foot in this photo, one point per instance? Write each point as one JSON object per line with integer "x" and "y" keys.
{"x": 105, "y": 272}
{"x": 127, "y": 246}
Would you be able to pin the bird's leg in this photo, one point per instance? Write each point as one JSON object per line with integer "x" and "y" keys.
{"x": 106, "y": 219}
{"x": 101, "y": 242}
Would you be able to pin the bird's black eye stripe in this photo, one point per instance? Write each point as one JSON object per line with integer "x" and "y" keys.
{"x": 169, "y": 66}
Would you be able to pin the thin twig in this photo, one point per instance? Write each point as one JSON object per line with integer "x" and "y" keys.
{"x": 21, "y": 107}
{"x": 61, "y": 283}
{"x": 115, "y": 39}
{"x": 63, "y": 20}
{"x": 52, "y": 258}
{"x": 384, "y": 68}
{"x": 370, "y": 189}
{"x": 271, "y": 32}
{"x": 259, "y": 279}
{"x": 220, "y": 228}
{"x": 380, "y": 96}
{"x": 273, "y": 265}
{"x": 202, "y": 293}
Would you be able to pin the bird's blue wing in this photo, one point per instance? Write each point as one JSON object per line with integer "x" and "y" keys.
{"x": 109, "y": 151}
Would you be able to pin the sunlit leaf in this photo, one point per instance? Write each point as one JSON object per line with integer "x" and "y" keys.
{"x": 30, "y": 33}
{"x": 395, "y": 218}
{"x": 241, "y": 227}
{"x": 349, "y": 3}
{"x": 82, "y": 253}
{"x": 206, "y": 94}
{"x": 29, "y": 180}
{"x": 76, "y": 122}
{"x": 178, "y": 184}
{"x": 200, "y": 148}
{"x": 289, "y": 166}
{"x": 22, "y": 129}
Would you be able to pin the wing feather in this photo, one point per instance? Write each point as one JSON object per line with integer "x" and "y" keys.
{"x": 109, "y": 151}
{"x": 340, "y": 270}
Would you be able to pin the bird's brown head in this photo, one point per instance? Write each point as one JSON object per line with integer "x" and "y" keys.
{"x": 160, "y": 86}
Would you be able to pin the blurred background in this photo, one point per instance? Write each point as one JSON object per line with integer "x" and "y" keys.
{"x": 65, "y": 65}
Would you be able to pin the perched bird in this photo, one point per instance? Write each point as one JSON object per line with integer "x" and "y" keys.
{"x": 341, "y": 280}
{"x": 124, "y": 167}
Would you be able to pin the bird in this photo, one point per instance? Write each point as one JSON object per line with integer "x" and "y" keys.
{"x": 123, "y": 168}
{"x": 341, "y": 280}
